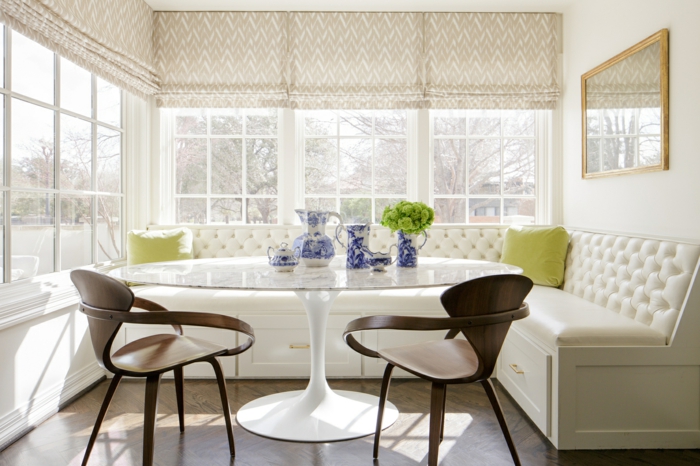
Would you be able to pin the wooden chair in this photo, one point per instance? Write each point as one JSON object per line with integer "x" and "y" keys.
{"x": 482, "y": 309}
{"x": 107, "y": 303}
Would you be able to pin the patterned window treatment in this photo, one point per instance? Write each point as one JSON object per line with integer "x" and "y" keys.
{"x": 634, "y": 82}
{"x": 491, "y": 60}
{"x": 111, "y": 38}
{"x": 357, "y": 60}
{"x": 212, "y": 59}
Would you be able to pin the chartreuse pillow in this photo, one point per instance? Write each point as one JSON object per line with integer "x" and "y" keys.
{"x": 143, "y": 246}
{"x": 539, "y": 251}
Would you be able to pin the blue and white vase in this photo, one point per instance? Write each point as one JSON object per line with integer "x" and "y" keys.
{"x": 408, "y": 248}
{"x": 358, "y": 239}
{"x": 316, "y": 246}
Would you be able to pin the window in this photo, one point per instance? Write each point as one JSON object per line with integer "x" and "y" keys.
{"x": 484, "y": 166}
{"x": 478, "y": 166}
{"x": 626, "y": 138}
{"x": 62, "y": 169}
{"x": 226, "y": 165}
{"x": 355, "y": 162}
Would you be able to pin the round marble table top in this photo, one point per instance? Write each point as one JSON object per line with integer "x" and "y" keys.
{"x": 254, "y": 273}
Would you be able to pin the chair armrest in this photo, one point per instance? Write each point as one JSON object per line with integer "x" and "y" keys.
{"x": 148, "y": 305}
{"x": 425, "y": 324}
{"x": 198, "y": 319}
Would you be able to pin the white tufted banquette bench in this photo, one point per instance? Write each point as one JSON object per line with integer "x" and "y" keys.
{"x": 610, "y": 360}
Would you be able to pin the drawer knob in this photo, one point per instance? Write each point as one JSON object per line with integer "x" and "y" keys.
{"x": 299, "y": 346}
{"x": 515, "y": 369}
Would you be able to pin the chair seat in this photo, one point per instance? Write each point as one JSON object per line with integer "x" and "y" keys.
{"x": 162, "y": 352}
{"x": 438, "y": 361}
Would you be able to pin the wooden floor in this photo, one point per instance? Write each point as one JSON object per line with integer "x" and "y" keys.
{"x": 472, "y": 436}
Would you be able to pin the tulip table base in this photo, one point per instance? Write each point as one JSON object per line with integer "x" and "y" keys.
{"x": 317, "y": 414}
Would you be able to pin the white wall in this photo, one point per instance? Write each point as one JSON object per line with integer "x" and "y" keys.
{"x": 662, "y": 203}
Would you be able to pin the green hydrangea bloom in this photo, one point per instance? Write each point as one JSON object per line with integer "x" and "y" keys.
{"x": 410, "y": 217}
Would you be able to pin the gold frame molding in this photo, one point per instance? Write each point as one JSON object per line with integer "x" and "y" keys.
{"x": 662, "y": 38}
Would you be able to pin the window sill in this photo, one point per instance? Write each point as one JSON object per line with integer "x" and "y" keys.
{"x": 39, "y": 296}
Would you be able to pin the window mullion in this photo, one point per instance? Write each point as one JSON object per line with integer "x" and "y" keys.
{"x": 57, "y": 164}
{"x": 209, "y": 170}
{"x": 7, "y": 168}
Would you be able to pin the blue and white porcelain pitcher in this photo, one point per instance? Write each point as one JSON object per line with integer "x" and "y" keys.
{"x": 408, "y": 248}
{"x": 358, "y": 238}
{"x": 316, "y": 246}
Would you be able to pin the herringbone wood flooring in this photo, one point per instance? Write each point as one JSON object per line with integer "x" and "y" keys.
{"x": 472, "y": 436}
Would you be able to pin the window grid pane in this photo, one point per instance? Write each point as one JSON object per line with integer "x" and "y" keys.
{"x": 226, "y": 165}
{"x": 484, "y": 165}
{"x": 69, "y": 159}
{"x": 355, "y": 162}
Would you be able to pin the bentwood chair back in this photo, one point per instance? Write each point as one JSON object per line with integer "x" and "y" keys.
{"x": 107, "y": 304}
{"x": 482, "y": 310}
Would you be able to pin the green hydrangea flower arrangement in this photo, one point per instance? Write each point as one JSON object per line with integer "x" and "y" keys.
{"x": 409, "y": 217}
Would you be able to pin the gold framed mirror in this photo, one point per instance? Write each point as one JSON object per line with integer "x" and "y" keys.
{"x": 625, "y": 111}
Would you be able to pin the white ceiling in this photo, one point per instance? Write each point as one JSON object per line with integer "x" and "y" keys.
{"x": 362, "y": 5}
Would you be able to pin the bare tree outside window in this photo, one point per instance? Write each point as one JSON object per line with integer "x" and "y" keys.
{"x": 66, "y": 159}
{"x": 355, "y": 162}
{"x": 226, "y": 165}
{"x": 484, "y": 164}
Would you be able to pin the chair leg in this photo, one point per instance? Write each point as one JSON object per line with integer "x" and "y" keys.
{"x": 386, "y": 380}
{"x": 444, "y": 402}
{"x": 491, "y": 393}
{"x": 179, "y": 374}
{"x": 149, "y": 418}
{"x": 100, "y": 417}
{"x": 224, "y": 402}
{"x": 437, "y": 401}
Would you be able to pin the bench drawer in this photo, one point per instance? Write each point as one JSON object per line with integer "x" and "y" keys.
{"x": 524, "y": 369}
{"x": 280, "y": 348}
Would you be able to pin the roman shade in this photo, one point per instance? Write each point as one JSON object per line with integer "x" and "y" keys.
{"x": 110, "y": 38}
{"x": 212, "y": 59}
{"x": 634, "y": 82}
{"x": 491, "y": 60}
{"x": 356, "y": 60}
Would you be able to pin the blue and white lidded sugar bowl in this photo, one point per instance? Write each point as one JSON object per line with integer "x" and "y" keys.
{"x": 284, "y": 259}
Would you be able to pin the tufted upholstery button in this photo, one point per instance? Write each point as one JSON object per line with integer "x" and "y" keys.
{"x": 286, "y": 236}
{"x": 269, "y": 236}
{"x": 216, "y": 236}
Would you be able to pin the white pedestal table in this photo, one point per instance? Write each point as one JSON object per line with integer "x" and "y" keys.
{"x": 316, "y": 414}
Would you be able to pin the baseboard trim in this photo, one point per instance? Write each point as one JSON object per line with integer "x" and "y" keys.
{"x": 25, "y": 418}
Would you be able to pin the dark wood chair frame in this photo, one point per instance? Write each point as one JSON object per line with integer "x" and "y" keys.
{"x": 482, "y": 310}
{"x": 107, "y": 302}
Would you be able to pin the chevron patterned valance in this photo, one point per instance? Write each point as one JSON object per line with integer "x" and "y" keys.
{"x": 634, "y": 82}
{"x": 491, "y": 60}
{"x": 111, "y": 38}
{"x": 356, "y": 60}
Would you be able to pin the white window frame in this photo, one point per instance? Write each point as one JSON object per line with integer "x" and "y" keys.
{"x": 168, "y": 168}
{"x": 543, "y": 123}
{"x": 291, "y": 189}
{"x": 601, "y": 137}
{"x": 6, "y": 187}
{"x": 411, "y": 160}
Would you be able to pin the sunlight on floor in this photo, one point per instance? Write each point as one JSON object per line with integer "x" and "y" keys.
{"x": 410, "y": 433}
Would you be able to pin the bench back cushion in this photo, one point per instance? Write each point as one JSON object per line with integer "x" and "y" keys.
{"x": 643, "y": 279}
{"x": 244, "y": 240}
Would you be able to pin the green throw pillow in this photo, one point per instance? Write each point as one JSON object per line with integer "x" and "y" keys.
{"x": 540, "y": 252}
{"x": 144, "y": 246}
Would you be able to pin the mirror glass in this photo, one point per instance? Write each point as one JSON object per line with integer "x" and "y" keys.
{"x": 624, "y": 112}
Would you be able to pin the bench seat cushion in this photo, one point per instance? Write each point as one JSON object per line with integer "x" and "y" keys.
{"x": 246, "y": 301}
{"x": 558, "y": 318}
